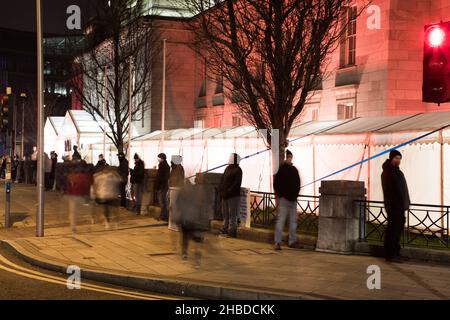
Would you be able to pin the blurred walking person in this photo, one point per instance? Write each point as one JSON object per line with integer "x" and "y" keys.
{"x": 176, "y": 182}
{"x": 287, "y": 187}
{"x": 14, "y": 168}
{"x": 162, "y": 185}
{"x": 137, "y": 182}
{"x": 33, "y": 165}
{"x": 106, "y": 188}
{"x": 230, "y": 191}
{"x": 396, "y": 202}
{"x": 123, "y": 172}
{"x": 194, "y": 220}
{"x": 3, "y": 167}
{"x": 77, "y": 182}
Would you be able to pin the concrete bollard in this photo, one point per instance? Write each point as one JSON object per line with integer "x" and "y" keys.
{"x": 339, "y": 215}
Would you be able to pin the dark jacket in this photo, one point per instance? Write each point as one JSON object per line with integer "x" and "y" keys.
{"x": 395, "y": 188}
{"x": 76, "y": 155}
{"x": 230, "y": 185}
{"x": 162, "y": 176}
{"x": 138, "y": 173}
{"x": 54, "y": 162}
{"x": 176, "y": 178}
{"x": 101, "y": 164}
{"x": 286, "y": 182}
{"x": 123, "y": 169}
{"x": 77, "y": 178}
{"x": 196, "y": 208}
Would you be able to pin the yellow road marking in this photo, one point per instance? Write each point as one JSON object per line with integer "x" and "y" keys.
{"x": 92, "y": 287}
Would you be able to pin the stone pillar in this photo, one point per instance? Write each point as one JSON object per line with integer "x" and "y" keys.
{"x": 339, "y": 215}
{"x": 210, "y": 181}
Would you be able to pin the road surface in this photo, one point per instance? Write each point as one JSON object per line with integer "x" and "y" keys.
{"x": 19, "y": 280}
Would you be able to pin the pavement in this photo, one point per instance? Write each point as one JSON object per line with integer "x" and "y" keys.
{"x": 141, "y": 253}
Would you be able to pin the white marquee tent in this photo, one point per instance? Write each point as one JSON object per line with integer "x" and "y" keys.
{"x": 320, "y": 148}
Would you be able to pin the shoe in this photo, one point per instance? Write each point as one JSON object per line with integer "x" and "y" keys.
{"x": 277, "y": 247}
{"x": 292, "y": 245}
{"x": 184, "y": 257}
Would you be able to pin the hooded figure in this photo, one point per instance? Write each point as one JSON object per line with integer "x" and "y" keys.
{"x": 287, "y": 187}
{"x": 230, "y": 191}
{"x": 76, "y": 155}
{"x": 395, "y": 188}
{"x": 137, "y": 181}
{"x": 176, "y": 178}
{"x": 123, "y": 171}
{"x": 162, "y": 185}
{"x": 396, "y": 202}
{"x": 230, "y": 185}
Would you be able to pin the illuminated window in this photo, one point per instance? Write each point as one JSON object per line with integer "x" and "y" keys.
{"x": 345, "y": 111}
{"x": 237, "y": 121}
{"x": 199, "y": 123}
{"x": 348, "y": 39}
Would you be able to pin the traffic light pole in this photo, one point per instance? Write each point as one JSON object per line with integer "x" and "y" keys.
{"x": 40, "y": 122}
{"x": 8, "y": 193}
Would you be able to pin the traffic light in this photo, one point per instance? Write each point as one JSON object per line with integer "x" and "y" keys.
{"x": 5, "y": 114}
{"x": 436, "y": 63}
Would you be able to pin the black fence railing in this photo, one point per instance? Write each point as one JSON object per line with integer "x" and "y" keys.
{"x": 264, "y": 213}
{"x": 426, "y": 225}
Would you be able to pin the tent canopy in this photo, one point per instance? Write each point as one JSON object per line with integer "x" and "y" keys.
{"x": 385, "y": 130}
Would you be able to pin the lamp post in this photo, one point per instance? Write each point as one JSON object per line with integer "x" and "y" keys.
{"x": 163, "y": 98}
{"x": 40, "y": 123}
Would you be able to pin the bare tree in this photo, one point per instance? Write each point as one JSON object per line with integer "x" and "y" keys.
{"x": 117, "y": 61}
{"x": 271, "y": 54}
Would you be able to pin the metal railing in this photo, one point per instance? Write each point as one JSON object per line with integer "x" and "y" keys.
{"x": 426, "y": 225}
{"x": 263, "y": 211}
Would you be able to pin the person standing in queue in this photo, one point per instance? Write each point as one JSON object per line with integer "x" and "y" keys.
{"x": 396, "y": 202}
{"x": 162, "y": 185}
{"x": 123, "y": 172}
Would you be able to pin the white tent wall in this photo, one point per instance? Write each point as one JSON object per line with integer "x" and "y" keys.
{"x": 110, "y": 154}
{"x": 51, "y": 137}
{"x": 421, "y": 166}
{"x": 332, "y": 158}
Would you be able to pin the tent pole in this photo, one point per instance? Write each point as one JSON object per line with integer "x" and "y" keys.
{"x": 441, "y": 143}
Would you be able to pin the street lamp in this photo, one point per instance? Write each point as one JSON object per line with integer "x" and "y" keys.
{"x": 40, "y": 123}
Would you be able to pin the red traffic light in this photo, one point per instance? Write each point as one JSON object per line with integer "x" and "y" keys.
{"x": 435, "y": 36}
{"x": 436, "y": 63}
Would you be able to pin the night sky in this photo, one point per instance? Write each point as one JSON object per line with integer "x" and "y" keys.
{"x": 21, "y": 14}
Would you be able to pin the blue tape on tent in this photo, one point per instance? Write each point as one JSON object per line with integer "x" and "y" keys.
{"x": 345, "y": 168}
{"x": 376, "y": 155}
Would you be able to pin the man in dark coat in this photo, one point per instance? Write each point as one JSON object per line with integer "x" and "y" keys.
{"x": 176, "y": 178}
{"x": 176, "y": 182}
{"x": 287, "y": 187}
{"x": 76, "y": 155}
{"x": 54, "y": 159}
{"x": 137, "y": 182}
{"x": 123, "y": 171}
{"x": 396, "y": 202}
{"x": 101, "y": 164}
{"x": 230, "y": 191}
{"x": 162, "y": 185}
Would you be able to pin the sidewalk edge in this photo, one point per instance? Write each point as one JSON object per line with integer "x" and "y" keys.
{"x": 154, "y": 284}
